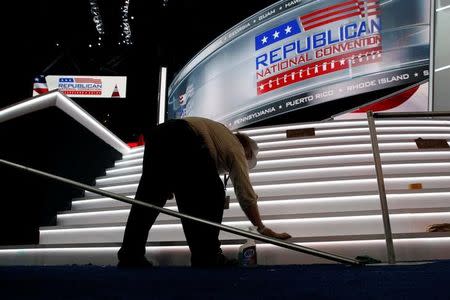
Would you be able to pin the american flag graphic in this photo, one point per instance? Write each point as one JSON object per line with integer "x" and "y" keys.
{"x": 277, "y": 34}
{"x": 40, "y": 85}
{"x": 341, "y": 11}
{"x": 80, "y": 80}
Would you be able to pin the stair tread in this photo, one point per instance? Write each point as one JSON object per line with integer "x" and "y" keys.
{"x": 317, "y": 239}
{"x": 271, "y": 217}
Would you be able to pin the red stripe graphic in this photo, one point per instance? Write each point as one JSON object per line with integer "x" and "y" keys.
{"x": 88, "y": 80}
{"x": 41, "y": 90}
{"x": 319, "y": 11}
{"x": 353, "y": 8}
{"x": 323, "y": 67}
{"x": 390, "y": 102}
{"x": 73, "y": 92}
{"x": 369, "y": 8}
{"x": 339, "y": 12}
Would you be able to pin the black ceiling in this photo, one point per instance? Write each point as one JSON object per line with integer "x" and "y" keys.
{"x": 53, "y": 37}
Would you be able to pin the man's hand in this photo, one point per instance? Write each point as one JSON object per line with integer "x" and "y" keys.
{"x": 270, "y": 233}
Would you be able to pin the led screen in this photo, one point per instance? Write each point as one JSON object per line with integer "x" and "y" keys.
{"x": 297, "y": 54}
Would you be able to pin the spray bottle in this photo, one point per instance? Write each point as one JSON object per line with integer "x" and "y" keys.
{"x": 247, "y": 251}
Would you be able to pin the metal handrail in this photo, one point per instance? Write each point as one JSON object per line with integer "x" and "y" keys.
{"x": 381, "y": 189}
{"x": 379, "y": 171}
{"x": 248, "y": 234}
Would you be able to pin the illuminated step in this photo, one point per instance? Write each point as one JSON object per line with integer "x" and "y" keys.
{"x": 124, "y": 171}
{"x": 340, "y": 140}
{"x": 136, "y": 149}
{"x": 408, "y": 246}
{"x": 405, "y": 195}
{"x": 369, "y": 223}
{"x": 335, "y": 149}
{"x": 360, "y": 135}
{"x": 133, "y": 155}
{"x": 350, "y": 159}
{"x": 104, "y": 202}
{"x": 134, "y": 173}
{"x": 343, "y": 124}
{"x": 128, "y": 163}
{"x": 276, "y": 207}
{"x": 132, "y": 165}
{"x": 322, "y": 186}
{"x": 121, "y": 179}
{"x": 430, "y": 199}
{"x": 315, "y": 173}
{"x": 359, "y": 131}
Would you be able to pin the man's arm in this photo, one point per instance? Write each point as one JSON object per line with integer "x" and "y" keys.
{"x": 252, "y": 213}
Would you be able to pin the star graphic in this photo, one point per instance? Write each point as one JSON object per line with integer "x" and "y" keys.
{"x": 342, "y": 62}
{"x": 280, "y": 107}
{"x": 416, "y": 74}
{"x": 288, "y": 29}
{"x": 276, "y": 34}
{"x": 261, "y": 87}
{"x": 264, "y": 40}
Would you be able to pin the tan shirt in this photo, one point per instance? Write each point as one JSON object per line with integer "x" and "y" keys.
{"x": 228, "y": 154}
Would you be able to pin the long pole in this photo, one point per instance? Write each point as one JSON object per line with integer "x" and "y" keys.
{"x": 248, "y": 234}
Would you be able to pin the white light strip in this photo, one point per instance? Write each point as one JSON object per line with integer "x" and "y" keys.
{"x": 302, "y": 126}
{"x": 355, "y": 138}
{"x": 442, "y": 68}
{"x": 114, "y": 249}
{"x": 107, "y": 212}
{"x": 358, "y": 157}
{"x": 119, "y": 178}
{"x": 64, "y": 103}
{"x": 442, "y": 8}
{"x": 350, "y": 169}
{"x": 123, "y": 170}
{"x": 87, "y": 249}
{"x": 137, "y": 149}
{"x": 347, "y": 147}
{"x": 304, "y": 201}
{"x": 162, "y": 94}
{"x": 250, "y": 132}
{"x": 28, "y": 106}
{"x": 133, "y": 155}
{"x": 77, "y": 113}
{"x": 128, "y": 162}
{"x": 94, "y": 213}
{"x": 351, "y": 131}
{"x": 117, "y": 187}
{"x": 247, "y": 223}
{"x": 98, "y": 200}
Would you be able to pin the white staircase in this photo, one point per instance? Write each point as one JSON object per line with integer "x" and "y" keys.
{"x": 321, "y": 189}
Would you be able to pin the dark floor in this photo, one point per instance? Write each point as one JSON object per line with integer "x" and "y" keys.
{"x": 403, "y": 281}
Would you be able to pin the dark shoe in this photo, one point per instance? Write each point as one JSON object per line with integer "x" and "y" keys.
{"x": 134, "y": 263}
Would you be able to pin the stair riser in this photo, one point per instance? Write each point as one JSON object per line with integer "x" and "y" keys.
{"x": 322, "y": 187}
{"x": 273, "y": 208}
{"x": 323, "y": 173}
{"x": 405, "y": 223}
{"x": 445, "y": 130}
{"x": 427, "y": 199}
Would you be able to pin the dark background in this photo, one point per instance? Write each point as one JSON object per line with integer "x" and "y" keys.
{"x": 52, "y": 37}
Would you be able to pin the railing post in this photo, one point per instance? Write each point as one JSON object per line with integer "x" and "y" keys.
{"x": 381, "y": 188}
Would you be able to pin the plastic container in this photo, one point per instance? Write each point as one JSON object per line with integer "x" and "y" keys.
{"x": 247, "y": 251}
